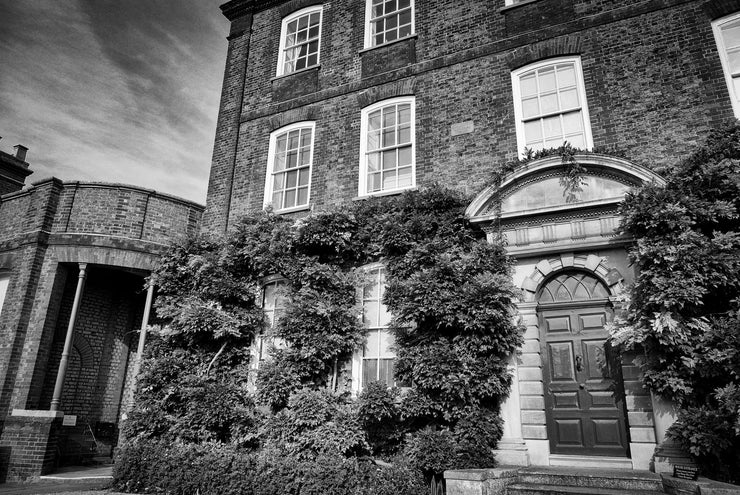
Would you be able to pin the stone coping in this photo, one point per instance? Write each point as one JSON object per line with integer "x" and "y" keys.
{"x": 481, "y": 474}
{"x": 36, "y": 413}
{"x": 702, "y": 486}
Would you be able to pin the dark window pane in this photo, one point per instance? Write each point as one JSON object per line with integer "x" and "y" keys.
{"x": 369, "y": 371}
{"x": 386, "y": 372}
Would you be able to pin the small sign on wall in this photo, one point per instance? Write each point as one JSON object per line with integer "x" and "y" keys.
{"x": 685, "y": 472}
{"x": 69, "y": 420}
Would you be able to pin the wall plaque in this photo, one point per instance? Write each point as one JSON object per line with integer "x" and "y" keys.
{"x": 684, "y": 472}
{"x": 69, "y": 420}
{"x": 462, "y": 128}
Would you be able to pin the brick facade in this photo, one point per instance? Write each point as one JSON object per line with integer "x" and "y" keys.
{"x": 652, "y": 91}
{"x": 653, "y": 86}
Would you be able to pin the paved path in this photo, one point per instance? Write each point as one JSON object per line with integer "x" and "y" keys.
{"x": 66, "y": 481}
{"x": 57, "y": 487}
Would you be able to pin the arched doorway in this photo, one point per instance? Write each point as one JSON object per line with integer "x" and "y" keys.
{"x": 583, "y": 401}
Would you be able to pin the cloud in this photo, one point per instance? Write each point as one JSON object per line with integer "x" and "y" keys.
{"x": 114, "y": 91}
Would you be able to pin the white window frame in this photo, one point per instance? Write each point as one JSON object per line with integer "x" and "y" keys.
{"x": 267, "y": 338}
{"x": 369, "y": 39}
{"x": 518, "y": 112}
{"x": 283, "y": 35}
{"x": 4, "y": 285}
{"x": 362, "y": 183}
{"x": 271, "y": 162}
{"x": 358, "y": 360}
{"x": 722, "y": 49}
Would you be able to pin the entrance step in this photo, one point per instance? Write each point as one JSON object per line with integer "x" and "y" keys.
{"x": 539, "y": 489}
{"x": 586, "y": 461}
{"x": 544, "y": 480}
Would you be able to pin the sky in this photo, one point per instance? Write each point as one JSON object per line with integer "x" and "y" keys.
{"x": 113, "y": 90}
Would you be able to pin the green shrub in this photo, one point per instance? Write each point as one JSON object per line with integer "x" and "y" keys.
{"x": 682, "y": 317}
{"x": 452, "y": 299}
{"x": 380, "y": 418}
{"x": 431, "y": 451}
{"x": 213, "y": 469}
{"x": 183, "y": 469}
{"x": 315, "y": 422}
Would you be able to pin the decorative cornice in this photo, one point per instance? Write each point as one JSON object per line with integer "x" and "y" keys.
{"x": 237, "y": 8}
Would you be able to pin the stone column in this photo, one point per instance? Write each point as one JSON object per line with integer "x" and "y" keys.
{"x": 142, "y": 333}
{"x": 512, "y": 451}
{"x": 639, "y": 414}
{"x": 531, "y": 388}
{"x": 56, "y": 398}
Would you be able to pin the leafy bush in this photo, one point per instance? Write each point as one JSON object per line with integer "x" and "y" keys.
{"x": 682, "y": 314}
{"x": 183, "y": 469}
{"x": 316, "y": 422}
{"x": 180, "y": 469}
{"x": 452, "y": 298}
{"x": 176, "y": 402}
{"x": 380, "y": 418}
{"x": 431, "y": 451}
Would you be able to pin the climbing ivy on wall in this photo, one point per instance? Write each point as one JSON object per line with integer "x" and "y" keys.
{"x": 448, "y": 288}
{"x": 683, "y": 309}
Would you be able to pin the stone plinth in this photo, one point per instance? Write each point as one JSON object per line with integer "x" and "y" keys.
{"x": 479, "y": 481}
{"x": 28, "y": 443}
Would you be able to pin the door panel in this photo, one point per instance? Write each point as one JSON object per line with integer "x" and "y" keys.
{"x": 569, "y": 433}
{"x": 558, "y": 324}
{"x": 565, "y": 400}
{"x": 583, "y": 417}
{"x": 561, "y": 361}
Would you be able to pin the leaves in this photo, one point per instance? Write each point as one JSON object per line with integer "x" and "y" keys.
{"x": 682, "y": 311}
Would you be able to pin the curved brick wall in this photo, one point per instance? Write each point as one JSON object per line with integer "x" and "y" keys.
{"x": 115, "y": 210}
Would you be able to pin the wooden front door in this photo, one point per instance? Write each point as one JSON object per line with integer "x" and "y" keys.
{"x": 584, "y": 409}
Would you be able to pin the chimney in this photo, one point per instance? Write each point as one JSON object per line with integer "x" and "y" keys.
{"x": 20, "y": 152}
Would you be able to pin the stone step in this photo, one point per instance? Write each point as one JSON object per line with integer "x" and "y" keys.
{"x": 631, "y": 481}
{"x": 543, "y": 489}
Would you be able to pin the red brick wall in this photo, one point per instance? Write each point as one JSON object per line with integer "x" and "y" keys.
{"x": 27, "y": 447}
{"x": 653, "y": 79}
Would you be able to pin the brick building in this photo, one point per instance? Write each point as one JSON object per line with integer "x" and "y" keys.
{"x": 330, "y": 102}
{"x": 73, "y": 259}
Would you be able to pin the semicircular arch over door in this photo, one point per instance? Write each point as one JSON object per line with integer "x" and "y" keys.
{"x": 584, "y": 406}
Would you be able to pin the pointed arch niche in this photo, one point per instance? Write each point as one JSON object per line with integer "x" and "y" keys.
{"x": 535, "y": 216}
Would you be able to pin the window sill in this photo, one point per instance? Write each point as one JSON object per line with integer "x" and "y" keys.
{"x": 384, "y": 193}
{"x": 292, "y": 210}
{"x": 283, "y": 76}
{"x": 399, "y": 40}
{"x": 506, "y": 8}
